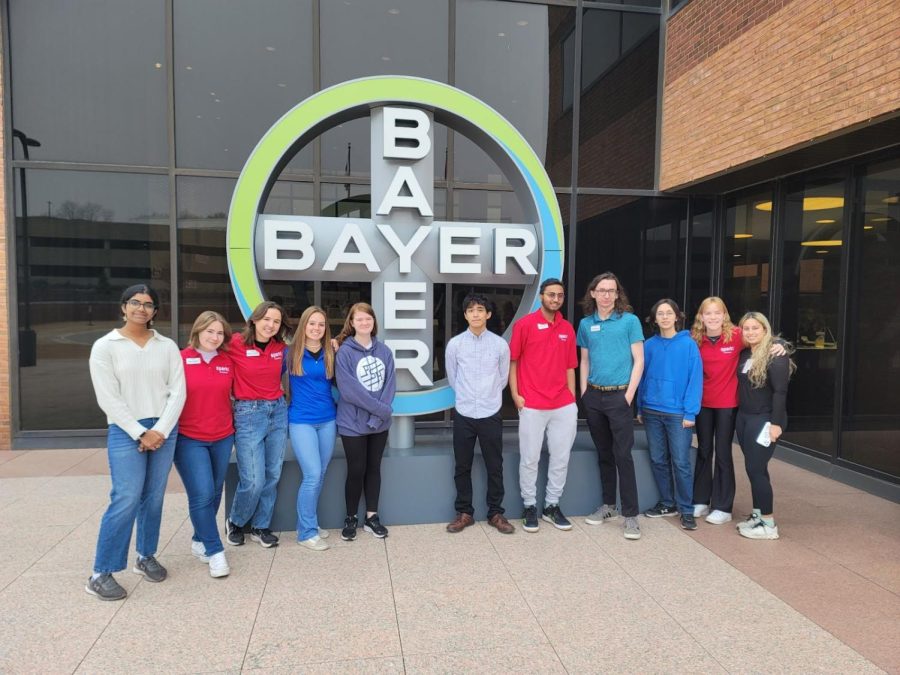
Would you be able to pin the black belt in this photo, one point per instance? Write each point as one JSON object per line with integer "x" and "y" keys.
{"x": 620, "y": 387}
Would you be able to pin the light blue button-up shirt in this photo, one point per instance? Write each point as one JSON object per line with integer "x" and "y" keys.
{"x": 478, "y": 370}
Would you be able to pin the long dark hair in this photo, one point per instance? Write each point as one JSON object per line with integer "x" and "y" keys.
{"x": 589, "y": 305}
{"x": 248, "y": 335}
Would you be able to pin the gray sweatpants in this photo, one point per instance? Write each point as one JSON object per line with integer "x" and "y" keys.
{"x": 560, "y": 425}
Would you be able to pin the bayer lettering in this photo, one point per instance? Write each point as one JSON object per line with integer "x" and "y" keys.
{"x": 402, "y": 250}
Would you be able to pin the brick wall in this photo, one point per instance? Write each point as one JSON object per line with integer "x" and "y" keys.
{"x": 744, "y": 82}
{"x": 5, "y": 394}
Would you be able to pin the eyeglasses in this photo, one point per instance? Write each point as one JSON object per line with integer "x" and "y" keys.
{"x": 555, "y": 296}
{"x": 606, "y": 291}
{"x": 149, "y": 306}
{"x": 664, "y": 315}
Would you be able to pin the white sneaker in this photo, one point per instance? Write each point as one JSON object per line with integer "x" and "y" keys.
{"x": 314, "y": 544}
{"x": 718, "y": 517}
{"x": 324, "y": 534}
{"x": 218, "y": 565}
{"x": 751, "y": 521}
{"x": 198, "y": 550}
{"x": 700, "y": 510}
{"x": 759, "y": 531}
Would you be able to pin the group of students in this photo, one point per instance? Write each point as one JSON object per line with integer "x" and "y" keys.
{"x": 224, "y": 390}
{"x": 714, "y": 379}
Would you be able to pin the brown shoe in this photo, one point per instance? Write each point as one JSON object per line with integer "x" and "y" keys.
{"x": 463, "y": 520}
{"x": 501, "y": 523}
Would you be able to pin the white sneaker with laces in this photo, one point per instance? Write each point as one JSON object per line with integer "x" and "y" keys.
{"x": 324, "y": 534}
{"x": 218, "y": 565}
{"x": 718, "y": 517}
{"x": 700, "y": 510}
{"x": 198, "y": 550}
{"x": 314, "y": 543}
{"x": 760, "y": 531}
{"x": 751, "y": 521}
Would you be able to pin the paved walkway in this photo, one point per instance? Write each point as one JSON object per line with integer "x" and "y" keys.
{"x": 823, "y": 598}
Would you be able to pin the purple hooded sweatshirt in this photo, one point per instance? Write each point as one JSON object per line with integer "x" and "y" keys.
{"x": 367, "y": 382}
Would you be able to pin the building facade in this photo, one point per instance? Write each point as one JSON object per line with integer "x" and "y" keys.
{"x": 708, "y": 147}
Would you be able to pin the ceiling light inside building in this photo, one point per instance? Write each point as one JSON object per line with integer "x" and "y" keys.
{"x": 809, "y": 204}
{"x": 822, "y": 242}
{"x": 826, "y": 221}
{"x": 743, "y": 236}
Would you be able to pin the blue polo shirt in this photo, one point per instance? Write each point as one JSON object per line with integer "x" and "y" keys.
{"x": 608, "y": 342}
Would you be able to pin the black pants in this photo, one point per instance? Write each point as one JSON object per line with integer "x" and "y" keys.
{"x": 714, "y": 471}
{"x": 489, "y": 433}
{"x": 363, "y": 469}
{"x": 756, "y": 459}
{"x": 611, "y": 424}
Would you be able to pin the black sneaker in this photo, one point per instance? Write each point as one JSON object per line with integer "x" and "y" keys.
{"x": 553, "y": 514}
{"x": 234, "y": 534}
{"x": 374, "y": 526}
{"x": 150, "y": 568}
{"x": 105, "y": 587}
{"x": 264, "y": 537}
{"x": 661, "y": 510}
{"x": 530, "y": 519}
{"x": 688, "y": 522}
{"x": 349, "y": 531}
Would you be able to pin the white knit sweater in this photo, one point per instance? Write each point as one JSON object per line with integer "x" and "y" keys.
{"x": 134, "y": 383}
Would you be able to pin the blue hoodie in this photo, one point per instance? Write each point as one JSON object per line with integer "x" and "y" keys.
{"x": 366, "y": 382}
{"x": 673, "y": 376}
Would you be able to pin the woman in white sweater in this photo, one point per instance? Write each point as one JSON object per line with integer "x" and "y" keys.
{"x": 138, "y": 378}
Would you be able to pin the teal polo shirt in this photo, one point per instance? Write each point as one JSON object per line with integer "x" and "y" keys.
{"x": 609, "y": 347}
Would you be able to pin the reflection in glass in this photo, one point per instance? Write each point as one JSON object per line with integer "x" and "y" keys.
{"x": 700, "y": 272}
{"x": 238, "y": 67}
{"x": 814, "y": 224}
{"x": 512, "y": 55}
{"x": 871, "y": 422}
{"x": 747, "y": 251}
{"x": 635, "y": 238}
{"x": 90, "y": 80}
{"x": 618, "y": 102}
{"x": 486, "y": 206}
{"x": 384, "y": 37}
{"x": 81, "y": 239}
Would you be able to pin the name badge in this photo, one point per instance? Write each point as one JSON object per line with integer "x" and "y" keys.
{"x": 543, "y": 326}
{"x": 596, "y": 328}
{"x": 192, "y": 361}
{"x": 252, "y": 352}
{"x": 747, "y": 364}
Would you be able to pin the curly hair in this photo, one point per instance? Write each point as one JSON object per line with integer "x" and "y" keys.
{"x": 622, "y": 305}
{"x": 698, "y": 330}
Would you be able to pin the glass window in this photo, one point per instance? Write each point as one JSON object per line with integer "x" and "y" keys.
{"x": 746, "y": 252}
{"x": 620, "y": 59}
{"x": 238, "y": 67}
{"x": 811, "y": 279}
{"x": 512, "y": 56}
{"x": 81, "y": 238}
{"x": 89, "y": 80}
{"x": 635, "y": 238}
{"x": 701, "y": 252}
{"x": 384, "y": 37}
{"x": 202, "y": 258}
{"x": 871, "y": 423}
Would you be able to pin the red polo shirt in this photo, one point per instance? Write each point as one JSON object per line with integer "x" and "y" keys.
{"x": 543, "y": 352}
{"x": 206, "y": 415}
{"x": 720, "y": 362}
{"x": 257, "y": 372}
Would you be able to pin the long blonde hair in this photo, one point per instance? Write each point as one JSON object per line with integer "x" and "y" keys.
{"x": 295, "y": 354}
{"x": 698, "y": 330}
{"x": 761, "y": 355}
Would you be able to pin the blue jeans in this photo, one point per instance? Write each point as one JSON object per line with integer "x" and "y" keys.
{"x": 202, "y": 466}
{"x": 260, "y": 432}
{"x": 313, "y": 446}
{"x": 138, "y": 488}
{"x": 670, "y": 446}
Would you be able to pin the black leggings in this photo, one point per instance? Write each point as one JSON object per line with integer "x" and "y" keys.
{"x": 363, "y": 468}
{"x": 756, "y": 459}
{"x": 714, "y": 471}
